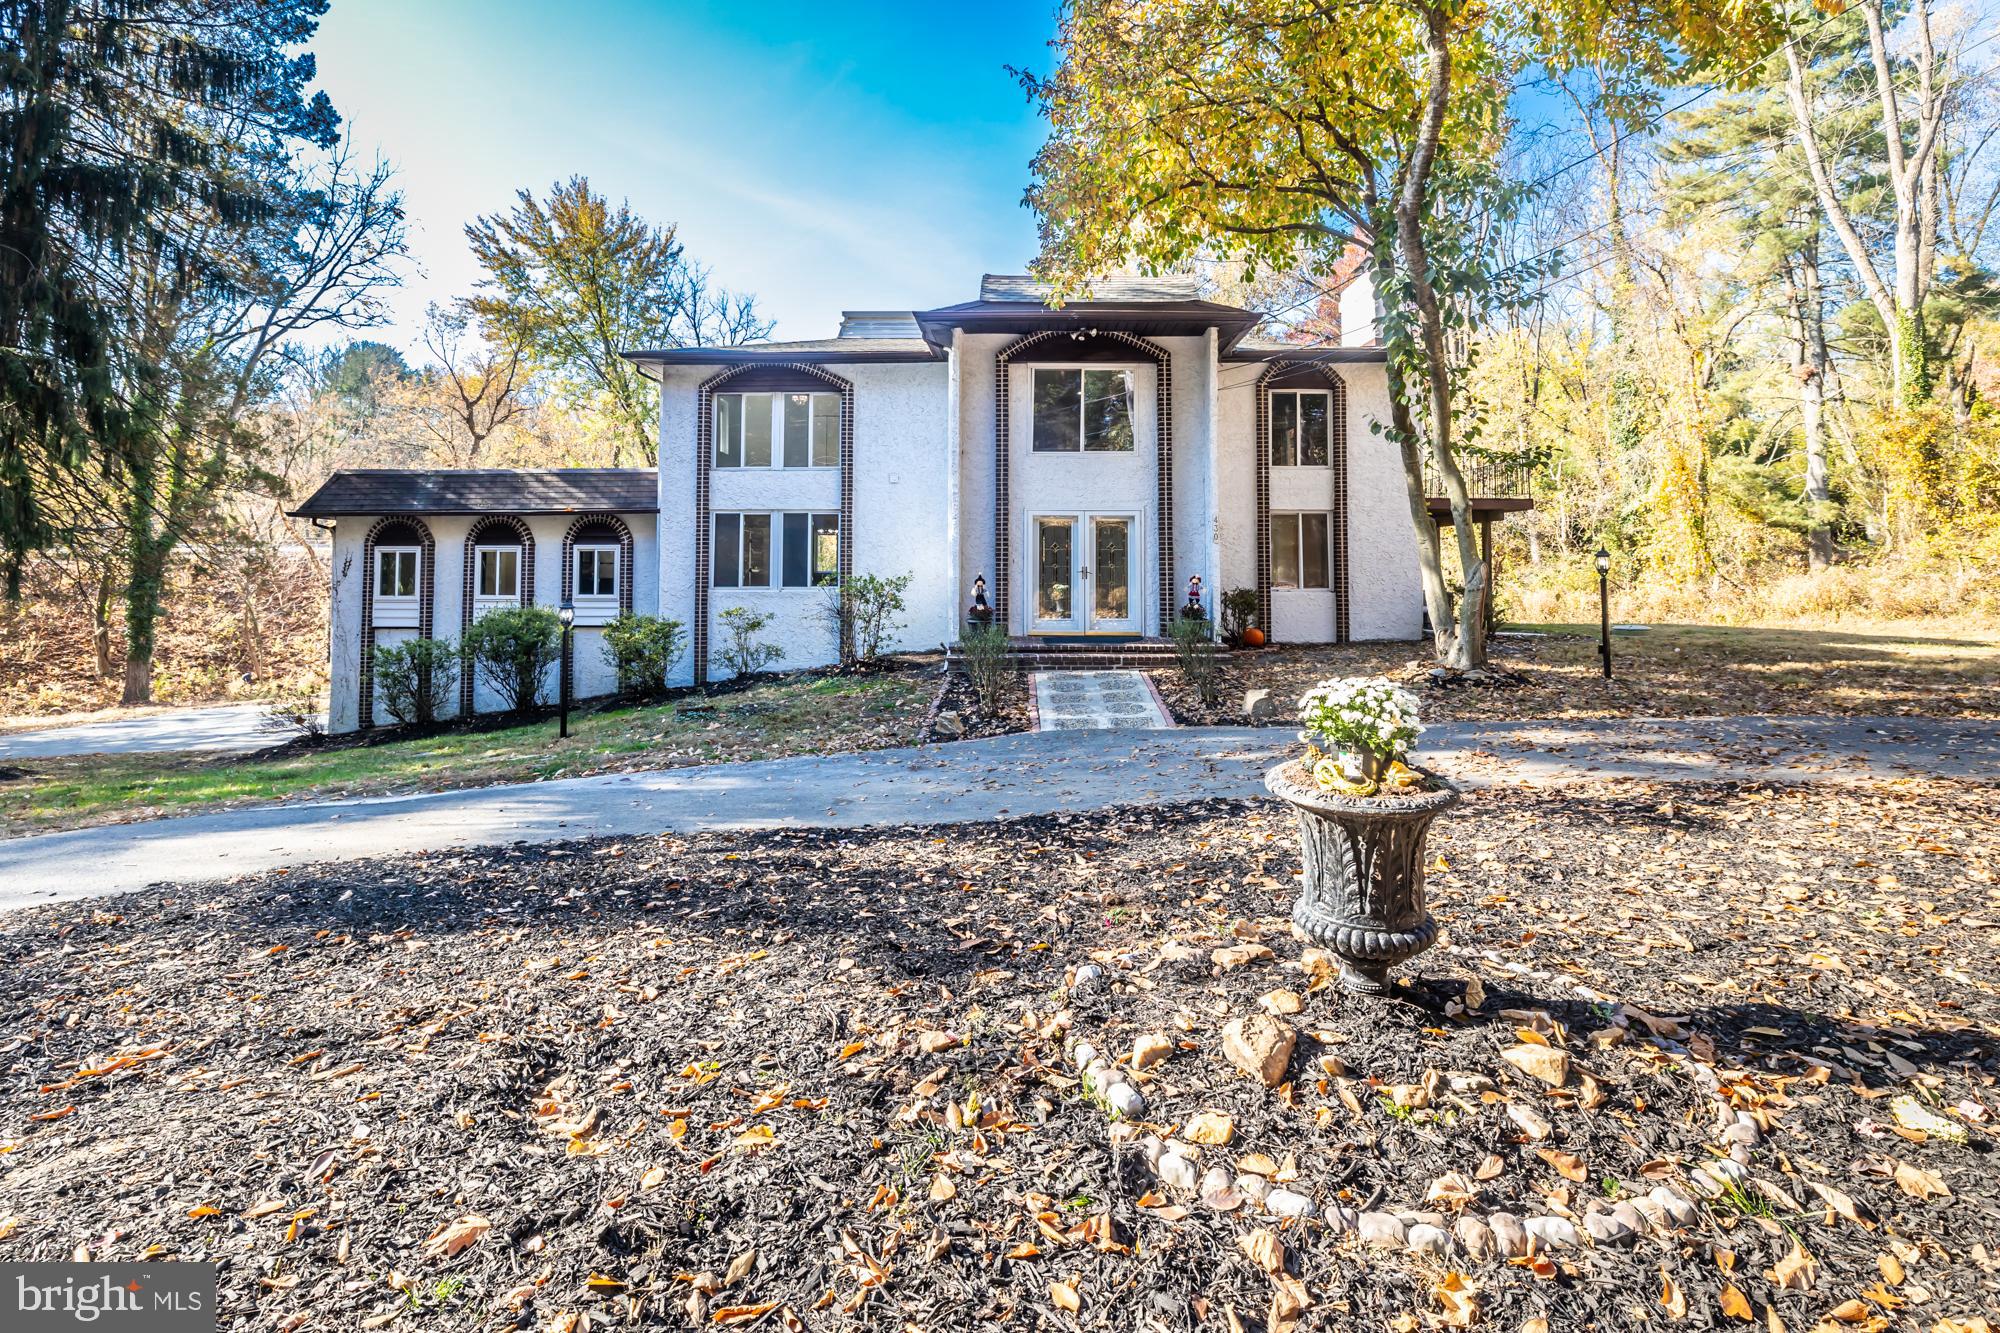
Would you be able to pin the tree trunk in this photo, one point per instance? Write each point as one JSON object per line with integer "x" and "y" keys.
{"x": 1811, "y": 372}
{"x": 145, "y": 584}
{"x": 100, "y": 627}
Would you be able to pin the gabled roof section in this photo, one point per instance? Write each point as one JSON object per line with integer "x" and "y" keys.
{"x": 1149, "y": 307}
{"x": 1021, "y": 287}
{"x": 567, "y": 490}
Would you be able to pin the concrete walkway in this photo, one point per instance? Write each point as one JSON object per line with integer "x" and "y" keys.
{"x": 969, "y": 780}
{"x": 223, "y": 727}
{"x": 1097, "y": 701}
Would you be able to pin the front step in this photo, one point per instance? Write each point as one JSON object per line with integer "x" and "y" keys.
{"x": 1119, "y": 654}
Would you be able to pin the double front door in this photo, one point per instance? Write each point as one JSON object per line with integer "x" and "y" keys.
{"x": 1084, "y": 574}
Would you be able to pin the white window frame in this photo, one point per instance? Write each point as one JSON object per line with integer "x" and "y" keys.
{"x": 1297, "y": 452}
{"x": 1083, "y": 449}
{"x": 778, "y": 544}
{"x": 1295, "y": 518}
{"x": 596, "y": 601}
{"x": 398, "y": 602}
{"x": 822, "y": 402}
{"x": 486, "y": 601}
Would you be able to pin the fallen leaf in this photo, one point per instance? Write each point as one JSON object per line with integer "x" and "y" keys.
{"x": 1919, "y": 1183}
{"x": 1796, "y": 1271}
{"x": 743, "y": 1314}
{"x": 739, "y": 1268}
{"x": 452, "y": 1237}
{"x": 1735, "y": 1304}
{"x": 1065, "y": 1297}
{"x": 1460, "y": 1299}
{"x": 1265, "y": 1249}
{"x": 1569, "y": 1165}
{"x": 1672, "y": 1297}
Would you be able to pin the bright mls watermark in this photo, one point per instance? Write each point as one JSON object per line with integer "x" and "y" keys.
{"x": 119, "y": 1298}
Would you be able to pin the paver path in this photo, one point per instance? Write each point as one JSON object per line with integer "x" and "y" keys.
{"x": 968, "y": 780}
{"x": 224, "y": 727}
{"x": 1097, "y": 701}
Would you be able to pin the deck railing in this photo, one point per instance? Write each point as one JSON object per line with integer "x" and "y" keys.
{"x": 1485, "y": 478}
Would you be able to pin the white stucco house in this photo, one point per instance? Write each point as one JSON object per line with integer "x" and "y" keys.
{"x": 1081, "y": 465}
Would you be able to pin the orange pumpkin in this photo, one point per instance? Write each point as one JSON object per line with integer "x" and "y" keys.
{"x": 1253, "y": 637}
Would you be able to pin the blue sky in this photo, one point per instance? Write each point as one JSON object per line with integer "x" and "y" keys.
{"x": 824, "y": 156}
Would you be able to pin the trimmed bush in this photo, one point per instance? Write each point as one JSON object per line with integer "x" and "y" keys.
{"x": 416, "y": 679}
{"x": 1239, "y": 612}
{"x": 742, "y": 651}
{"x": 643, "y": 651}
{"x": 982, "y": 655}
{"x": 861, "y": 614}
{"x": 1195, "y": 653}
{"x": 512, "y": 650}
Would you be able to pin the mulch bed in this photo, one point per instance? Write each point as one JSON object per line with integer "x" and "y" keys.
{"x": 958, "y": 700}
{"x": 1554, "y": 676}
{"x": 817, "y": 1079}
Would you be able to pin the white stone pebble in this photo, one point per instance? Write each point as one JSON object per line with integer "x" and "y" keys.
{"x": 1084, "y": 1055}
{"x": 1254, "y": 1186}
{"x": 1287, "y": 1204}
{"x": 1476, "y": 1237}
{"x": 1429, "y": 1240}
{"x": 1340, "y": 1219}
{"x": 1509, "y": 1234}
{"x": 1384, "y": 1229}
{"x": 1125, "y": 1099}
{"x": 1606, "y": 1229}
{"x": 1177, "y": 1171}
{"x": 1728, "y": 1172}
{"x": 1553, "y": 1231}
{"x": 1088, "y": 973}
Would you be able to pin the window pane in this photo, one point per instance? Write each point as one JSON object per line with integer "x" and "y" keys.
{"x": 825, "y": 550}
{"x": 1107, "y": 410}
{"x": 1284, "y": 429}
{"x": 756, "y": 550}
{"x": 728, "y": 537}
{"x": 607, "y": 573}
{"x": 798, "y": 425}
{"x": 1313, "y": 429}
{"x": 1111, "y": 558}
{"x": 385, "y": 573}
{"x": 729, "y": 430}
{"x": 826, "y": 430}
{"x": 406, "y": 574}
{"x": 757, "y": 429}
{"x": 1284, "y": 550}
{"x": 796, "y": 550}
{"x": 1313, "y": 550}
{"x": 510, "y": 573}
{"x": 597, "y": 571}
{"x": 1053, "y": 567}
{"x": 1058, "y": 404}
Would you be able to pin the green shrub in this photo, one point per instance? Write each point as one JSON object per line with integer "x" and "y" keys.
{"x": 982, "y": 655}
{"x": 861, "y": 614}
{"x": 643, "y": 651}
{"x": 416, "y": 679}
{"x": 1239, "y": 612}
{"x": 512, "y": 649}
{"x": 1196, "y": 656}
{"x": 742, "y": 651}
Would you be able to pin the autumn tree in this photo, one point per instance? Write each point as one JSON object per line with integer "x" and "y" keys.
{"x": 1256, "y": 128}
{"x": 471, "y": 390}
{"x": 577, "y": 283}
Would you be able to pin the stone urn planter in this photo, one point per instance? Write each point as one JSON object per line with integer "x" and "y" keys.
{"x": 1364, "y": 872}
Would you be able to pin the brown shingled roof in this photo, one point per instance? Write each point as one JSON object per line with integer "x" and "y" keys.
{"x": 624, "y": 490}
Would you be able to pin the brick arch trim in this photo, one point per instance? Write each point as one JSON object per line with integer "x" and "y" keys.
{"x": 1306, "y": 375}
{"x": 493, "y": 530}
{"x": 567, "y": 583}
{"x": 704, "y": 463}
{"x": 426, "y": 603}
{"x": 1163, "y": 466}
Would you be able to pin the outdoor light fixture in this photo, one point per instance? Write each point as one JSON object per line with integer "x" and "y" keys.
{"x": 1603, "y": 561}
{"x": 566, "y": 617}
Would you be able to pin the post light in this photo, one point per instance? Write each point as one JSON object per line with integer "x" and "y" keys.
{"x": 566, "y": 616}
{"x": 1603, "y": 560}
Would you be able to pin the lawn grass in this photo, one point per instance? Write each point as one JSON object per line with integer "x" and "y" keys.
{"x": 794, "y": 715}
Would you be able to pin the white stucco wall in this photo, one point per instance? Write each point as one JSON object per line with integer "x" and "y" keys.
{"x": 594, "y": 675}
{"x": 901, "y": 522}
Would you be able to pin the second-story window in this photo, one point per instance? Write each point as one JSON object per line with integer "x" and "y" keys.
{"x": 1300, "y": 424}
{"x": 783, "y": 430}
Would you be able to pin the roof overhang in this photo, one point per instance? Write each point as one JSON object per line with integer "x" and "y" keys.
{"x": 1147, "y": 319}
{"x": 650, "y": 360}
{"x": 1308, "y": 356}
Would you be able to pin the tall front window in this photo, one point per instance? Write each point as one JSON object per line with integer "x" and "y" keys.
{"x": 1087, "y": 411}
{"x": 499, "y": 571}
{"x": 1300, "y": 423}
{"x": 396, "y": 571}
{"x": 792, "y": 430}
{"x": 1300, "y": 551}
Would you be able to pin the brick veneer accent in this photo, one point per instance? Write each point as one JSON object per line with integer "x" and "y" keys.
{"x": 1163, "y": 451}
{"x": 426, "y": 603}
{"x": 568, "y": 580}
{"x": 704, "y": 462}
{"x": 493, "y": 530}
{"x": 1303, "y": 375}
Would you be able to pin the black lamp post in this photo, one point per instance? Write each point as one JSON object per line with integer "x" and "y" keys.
{"x": 566, "y": 614}
{"x": 1603, "y": 559}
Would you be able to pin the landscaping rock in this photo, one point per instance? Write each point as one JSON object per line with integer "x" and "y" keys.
{"x": 1287, "y": 1204}
{"x": 1546, "y": 1063}
{"x": 1083, "y": 1055}
{"x": 1606, "y": 1229}
{"x": 1631, "y": 1217}
{"x": 1384, "y": 1229}
{"x": 1553, "y": 1231}
{"x": 1177, "y": 1171}
{"x": 1477, "y": 1238}
{"x": 1152, "y": 1150}
{"x": 1529, "y": 1123}
{"x": 1508, "y": 1234}
{"x": 1236, "y": 955}
{"x": 1470, "y": 1085}
{"x": 930, "y": 1043}
{"x": 1126, "y": 1100}
{"x": 1218, "y": 1190}
{"x": 1260, "y": 1046}
{"x": 1424, "y": 1239}
{"x": 1340, "y": 1219}
{"x": 1282, "y": 1002}
{"x": 1254, "y": 1186}
{"x": 951, "y": 725}
{"x": 1150, "y": 1049}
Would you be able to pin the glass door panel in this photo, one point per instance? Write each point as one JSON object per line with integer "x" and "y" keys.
{"x": 1111, "y": 573}
{"x": 1055, "y": 573}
